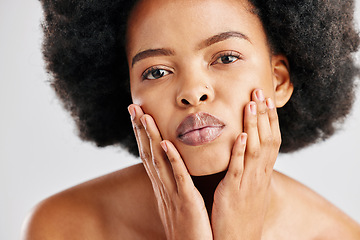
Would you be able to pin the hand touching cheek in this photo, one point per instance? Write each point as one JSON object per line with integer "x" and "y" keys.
{"x": 181, "y": 207}
{"x": 242, "y": 197}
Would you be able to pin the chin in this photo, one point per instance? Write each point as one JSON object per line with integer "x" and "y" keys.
{"x": 207, "y": 160}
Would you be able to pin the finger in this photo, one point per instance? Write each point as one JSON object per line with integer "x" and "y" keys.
{"x": 141, "y": 137}
{"x": 142, "y": 140}
{"x": 251, "y": 128}
{"x": 182, "y": 177}
{"x": 264, "y": 129}
{"x": 275, "y": 128}
{"x": 274, "y": 121}
{"x": 236, "y": 165}
{"x": 252, "y": 162}
{"x": 159, "y": 159}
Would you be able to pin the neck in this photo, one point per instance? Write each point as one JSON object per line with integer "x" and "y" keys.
{"x": 206, "y": 185}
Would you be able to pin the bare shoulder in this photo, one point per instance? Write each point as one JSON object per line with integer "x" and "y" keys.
{"x": 96, "y": 209}
{"x": 315, "y": 216}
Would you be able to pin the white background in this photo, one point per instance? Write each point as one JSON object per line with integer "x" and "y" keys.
{"x": 40, "y": 153}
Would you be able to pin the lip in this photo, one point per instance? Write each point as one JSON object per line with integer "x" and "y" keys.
{"x": 199, "y": 128}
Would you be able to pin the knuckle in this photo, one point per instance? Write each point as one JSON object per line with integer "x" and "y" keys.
{"x": 239, "y": 153}
{"x": 180, "y": 178}
{"x": 145, "y": 155}
{"x": 269, "y": 140}
{"x": 253, "y": 123}
{"x": 183, "y": 208}
{"x": 236, "y": 173}
{"x": 172, "y": 159}
{"x": 268, "y": 169}
{"x": 262, "y": 110}
{"x": 277, "y": 143}
{"x": 156, "y": 163}
{"x": 255, "y": 153}
{"x": 137, "y": 127}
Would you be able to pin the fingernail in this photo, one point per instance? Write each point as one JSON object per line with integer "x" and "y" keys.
{"x": 243, "y": 138}
{"x": 143, "y": 121}
{"x": 260, "y": 95}
{"x": 132, "y": 113}
{"x": 253, "y": 108}
{"x": 270, "y": 103}
{"x": 163, "y": 145}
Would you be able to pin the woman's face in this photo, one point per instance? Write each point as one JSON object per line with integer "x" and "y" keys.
{"x": 198, "y": 58}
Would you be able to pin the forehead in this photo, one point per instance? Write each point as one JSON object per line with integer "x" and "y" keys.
{"x": 160, "y": 23}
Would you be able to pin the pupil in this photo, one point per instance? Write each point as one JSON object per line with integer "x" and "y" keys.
{"x": 158, "y": 73}
{"x": 226, "y": 59}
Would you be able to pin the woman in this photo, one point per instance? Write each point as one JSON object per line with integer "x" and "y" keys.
{"x": 206, "y": 78}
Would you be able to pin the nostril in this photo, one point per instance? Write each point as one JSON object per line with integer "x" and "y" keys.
{"x": 204, "y": 97}
{"x": 184, "y": 101}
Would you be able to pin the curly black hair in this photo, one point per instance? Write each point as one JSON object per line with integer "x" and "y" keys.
{"x": 84, "y": 51}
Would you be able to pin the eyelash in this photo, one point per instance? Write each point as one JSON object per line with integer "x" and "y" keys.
{"x": 227, "y": 54}
{"x": 147, "y": 72}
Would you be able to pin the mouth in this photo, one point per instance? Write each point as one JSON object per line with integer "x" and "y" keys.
{"x": 199, "y": 128}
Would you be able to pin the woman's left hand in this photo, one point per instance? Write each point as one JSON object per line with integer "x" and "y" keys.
{"x": 241, "y": 199}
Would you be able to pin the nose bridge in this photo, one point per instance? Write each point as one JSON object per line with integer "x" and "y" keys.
{"x": 194, "y": 88}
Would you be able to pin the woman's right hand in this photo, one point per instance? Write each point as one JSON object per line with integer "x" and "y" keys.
{"x": 181, "y": 206}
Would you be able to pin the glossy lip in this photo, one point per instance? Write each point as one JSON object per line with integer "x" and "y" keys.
{"x": 199, "y": 128}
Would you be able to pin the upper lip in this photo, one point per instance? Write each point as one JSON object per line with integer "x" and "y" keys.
{"x": 197, "y": 121}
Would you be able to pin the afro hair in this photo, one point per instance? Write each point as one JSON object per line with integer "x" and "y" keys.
{"x": 84, "y": 50}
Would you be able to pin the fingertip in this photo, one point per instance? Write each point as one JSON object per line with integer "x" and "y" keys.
{"x": 252, "y": 108}
{"x": 168, "y": 147}
{"x": 254, "y": 93}
{"x": 243, "y": 138}
{"x": 164, "y": 146}
{"x": 259, "y": 94}
{"x": 270, "y": 104}
{"x": 131, "y": 112}
{"x": 272, "y": 110}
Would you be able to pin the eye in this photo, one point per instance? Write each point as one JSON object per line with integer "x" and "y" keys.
{"x": 154, "y": 73}
{"x": 227, "y": 58}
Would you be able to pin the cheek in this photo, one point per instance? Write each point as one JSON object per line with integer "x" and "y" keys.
{"x": 152, "y": 103}
{"x": 263, "y": 77}
{"x": 255, "y": 73}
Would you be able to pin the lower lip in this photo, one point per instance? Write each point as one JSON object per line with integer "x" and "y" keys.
{"x": 201, "y": 136}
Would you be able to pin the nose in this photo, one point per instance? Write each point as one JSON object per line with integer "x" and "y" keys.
{"x": 194, "y": 92}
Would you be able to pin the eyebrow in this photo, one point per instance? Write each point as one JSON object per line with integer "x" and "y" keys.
{"x": 152, "y": 53}
{"x": 222, "y": 37}
{"x": 206, "y": 43}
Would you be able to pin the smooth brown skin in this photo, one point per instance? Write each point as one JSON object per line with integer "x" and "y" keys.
{"x": 157, "y": 199}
